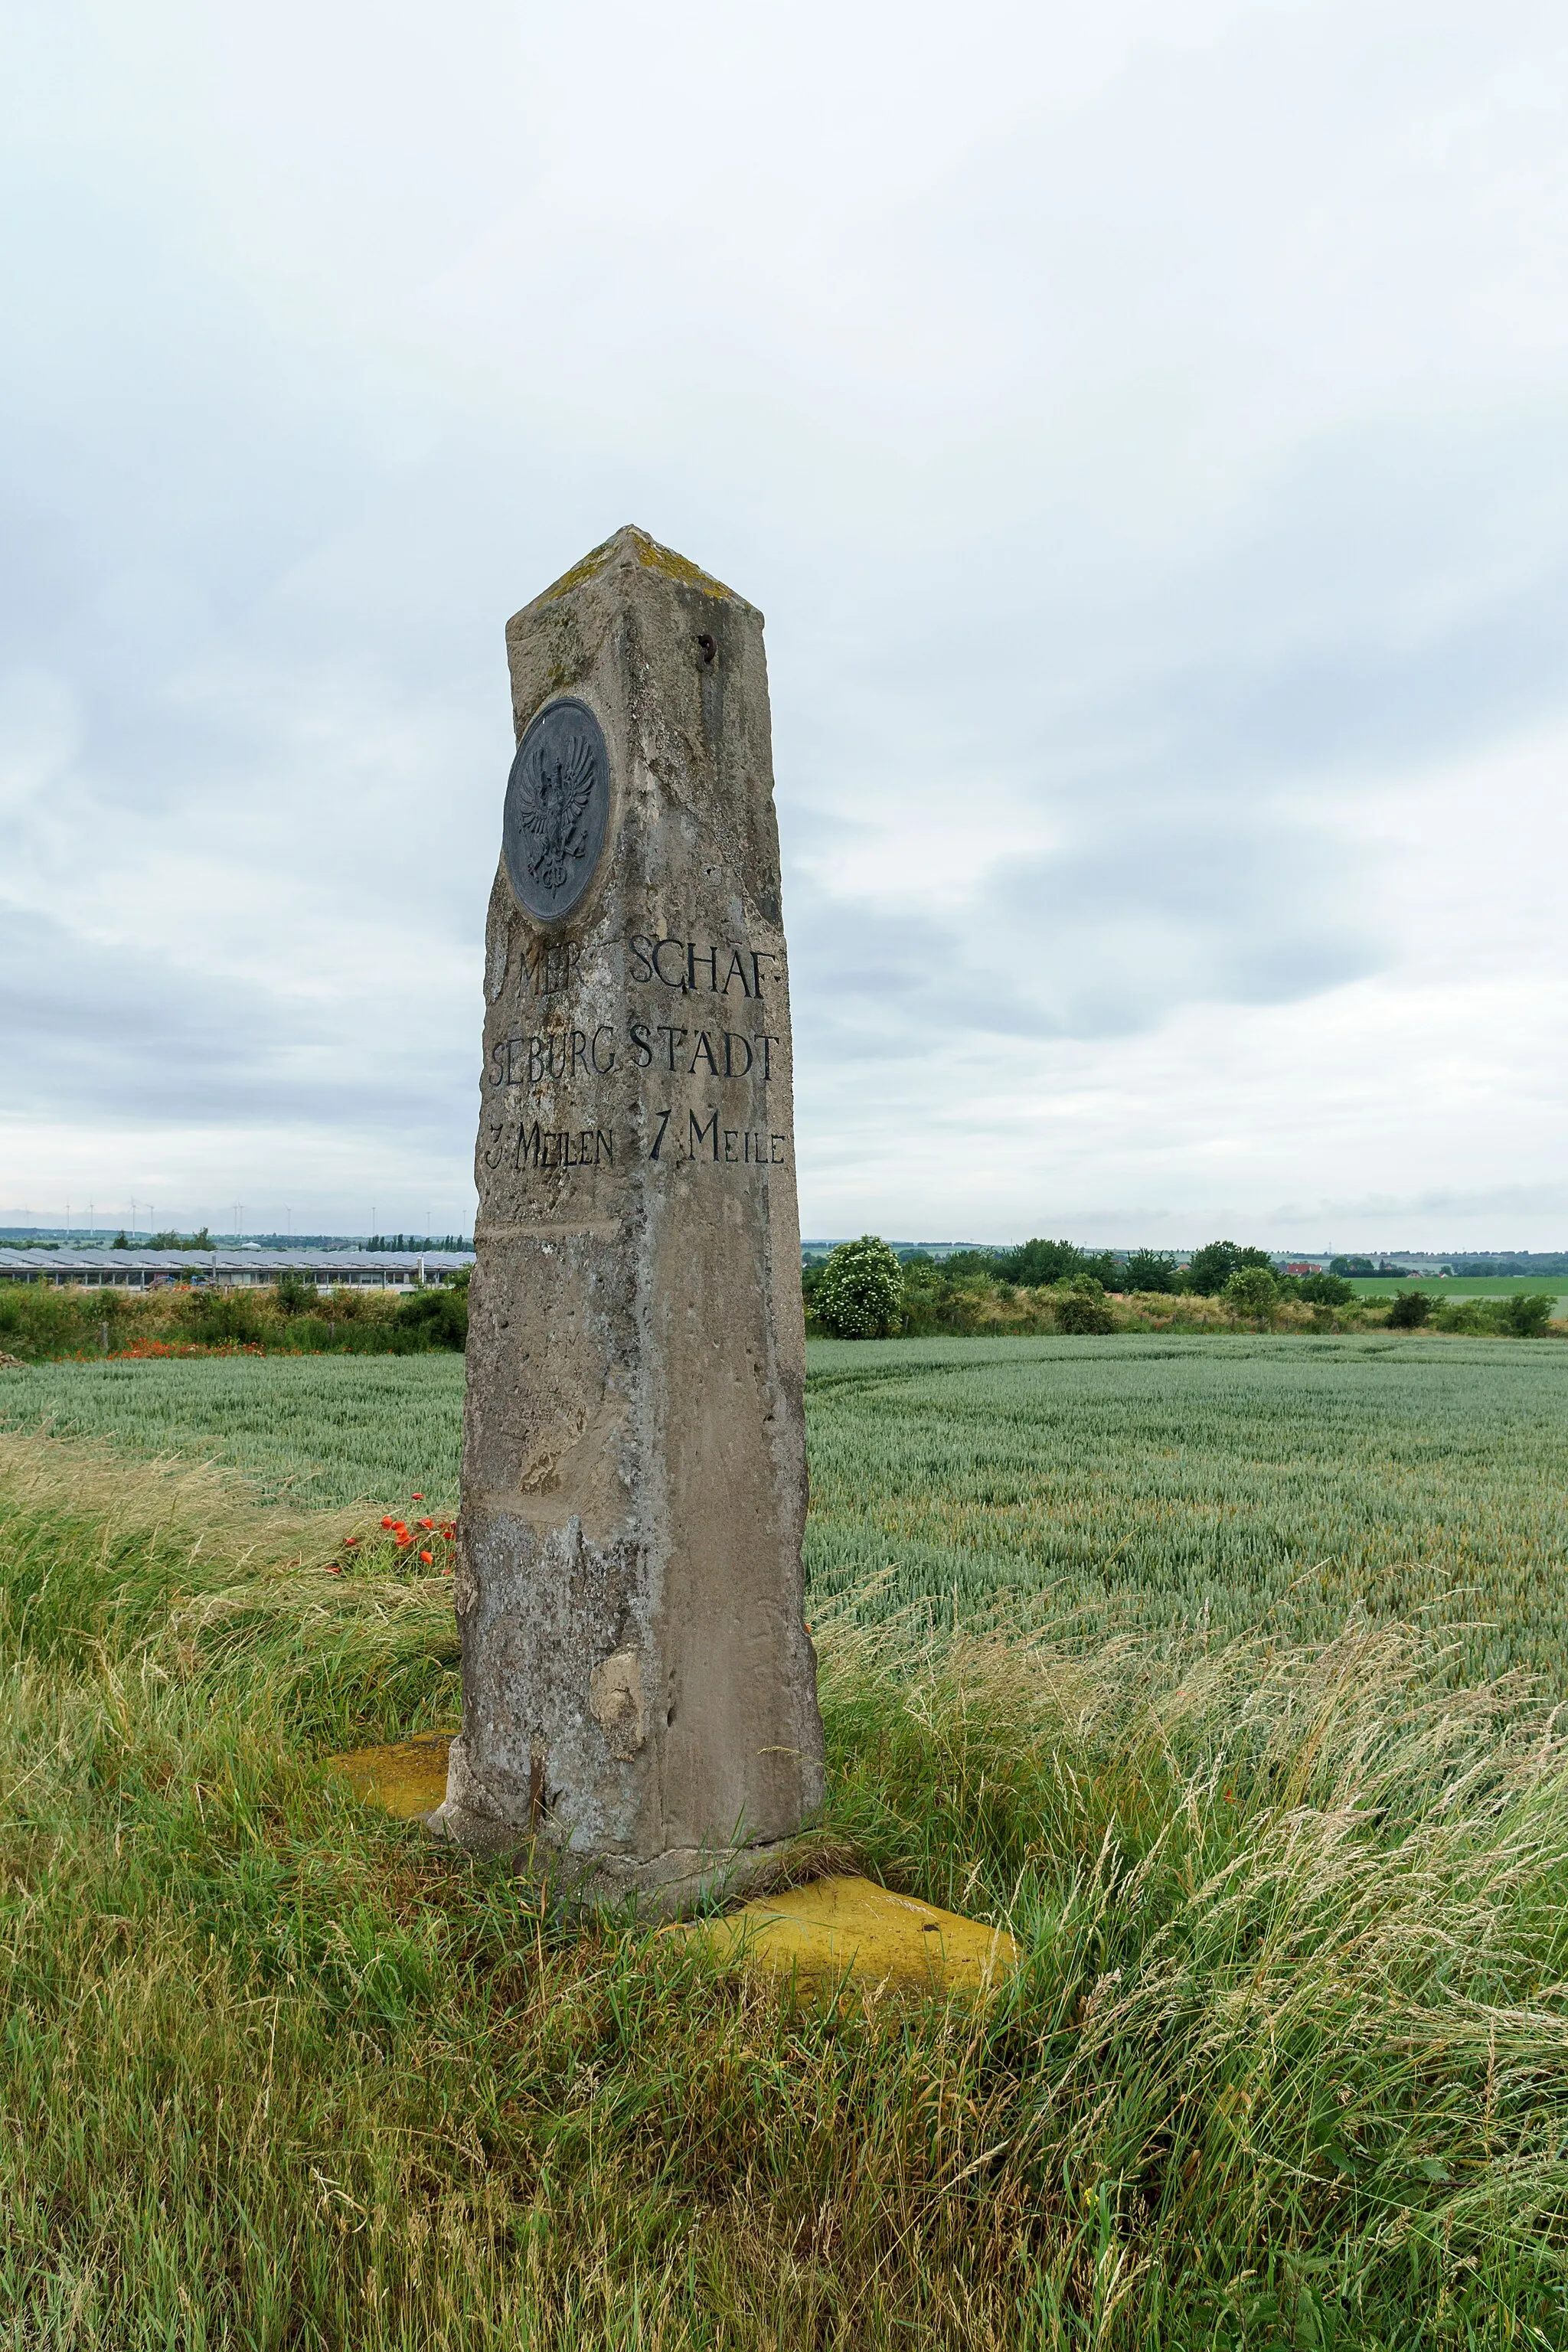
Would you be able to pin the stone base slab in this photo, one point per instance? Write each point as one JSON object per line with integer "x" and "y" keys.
{"x": 663, "y": 1886}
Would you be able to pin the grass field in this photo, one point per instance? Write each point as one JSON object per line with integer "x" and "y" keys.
{"x": 1287, "y": 2063}
{"x": 1233, "y": 1482}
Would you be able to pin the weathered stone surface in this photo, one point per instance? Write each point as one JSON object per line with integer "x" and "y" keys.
{"x": 640, "y": 1689}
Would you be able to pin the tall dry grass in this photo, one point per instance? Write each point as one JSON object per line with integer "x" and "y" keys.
{"x": 1284, "y": 2064}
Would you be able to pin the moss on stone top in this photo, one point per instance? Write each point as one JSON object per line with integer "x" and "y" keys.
{"x": 647, "y": 552}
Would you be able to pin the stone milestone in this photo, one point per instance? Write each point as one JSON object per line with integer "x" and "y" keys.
{"x": 640, "y": 1689}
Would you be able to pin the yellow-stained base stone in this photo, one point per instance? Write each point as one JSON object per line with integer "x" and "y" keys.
{"x": 838, "y": 1927}
{"x": 407, "y": 1778}
{"x": 830, "y": 1929}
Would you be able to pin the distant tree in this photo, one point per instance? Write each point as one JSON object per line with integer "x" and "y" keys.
{"x": 1324, "y": 1290}
{"x": 1252, "y": 1292}
{"x": 1035, "y": 1263}
{"x": 122, "y": 1241}
{"x": 1361, "y": 1269}
{"x": 859, "y": 1291}
{"x": 1148, "y": 1269}
{"x": 969, "y": 1267}
{"x": 1409, "y": 1311}
{"x": 1211, "y": 1267}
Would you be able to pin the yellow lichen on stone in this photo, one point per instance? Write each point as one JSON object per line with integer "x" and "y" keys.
{"x": 407, "y": 1778}
{"x": 649, "y": 555}
{"x": 846, "y": 1926}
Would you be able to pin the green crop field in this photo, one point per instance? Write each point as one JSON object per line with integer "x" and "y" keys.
{"x": 1237, "y": 1483}
{"x": 1485, "y": 1285}
{"x": 1233, "y": 1482}
{"x": 1107, "y": 1656}
{"x": 306, "y": 1428}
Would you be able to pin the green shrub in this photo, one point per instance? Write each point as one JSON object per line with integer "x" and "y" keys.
{"x": 1082, "y": 1311}
{"x": 1526, "y": 1314}
{"x": 859, "y": 1292}
{"x": 1324, "y": 1290}
{"x": 1252, "y": 1293}
{"x": 1409, "y": 1311}
{"x": 37, "y": 1321}
{"x": 434, "y": 1318}
{"x": 214, "y": 1316}
{"x": 1465, "y": 1317}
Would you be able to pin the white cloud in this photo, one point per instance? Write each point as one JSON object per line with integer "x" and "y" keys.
{"x": 1143, "y": 434}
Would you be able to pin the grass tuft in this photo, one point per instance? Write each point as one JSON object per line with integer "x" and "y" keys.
{"x": 1284, "y": 2064}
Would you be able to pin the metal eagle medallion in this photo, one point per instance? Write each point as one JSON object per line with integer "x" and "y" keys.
{"x": 557, "y": 806}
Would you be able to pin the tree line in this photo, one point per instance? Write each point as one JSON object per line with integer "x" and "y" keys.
{"x": 863, "y": 1290}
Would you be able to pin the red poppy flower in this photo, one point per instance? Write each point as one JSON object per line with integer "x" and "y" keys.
{"x": 404, "y": 1540}
{"x": 386, "y": 1523}
{"x": 427, "y": 1558}
{"x": 332, "y": 1568}
{"x": 350, "y": 1539}
{"x": 416, "y": 1498}
{"x": 427, "y": 1523}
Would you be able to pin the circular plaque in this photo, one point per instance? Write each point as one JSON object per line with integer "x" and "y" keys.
{"x": 557, "y": 806}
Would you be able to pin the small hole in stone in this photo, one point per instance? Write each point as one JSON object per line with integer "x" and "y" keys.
{"x": 669, "y": 1718}
{"x": 708, "y": 649}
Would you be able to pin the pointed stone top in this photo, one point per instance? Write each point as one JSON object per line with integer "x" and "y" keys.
{"x": 631, "y": 546}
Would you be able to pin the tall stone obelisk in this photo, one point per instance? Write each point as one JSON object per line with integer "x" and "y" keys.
{"x": 639, "y": 1690}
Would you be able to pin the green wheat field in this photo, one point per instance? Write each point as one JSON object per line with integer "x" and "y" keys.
{"x": 1225, "y": 1670}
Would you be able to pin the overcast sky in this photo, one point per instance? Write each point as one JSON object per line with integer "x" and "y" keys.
{"x": 1142, "y": 428}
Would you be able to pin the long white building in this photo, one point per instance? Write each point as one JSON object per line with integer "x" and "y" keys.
{"x": 231, "y": 1269}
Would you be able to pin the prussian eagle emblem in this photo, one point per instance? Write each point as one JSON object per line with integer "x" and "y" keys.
{"x": 557, "y": 807}
{"x": 552, "y": 807}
